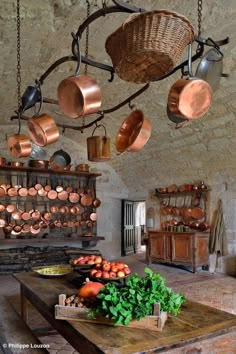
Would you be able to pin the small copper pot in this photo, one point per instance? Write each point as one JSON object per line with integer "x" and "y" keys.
{"x": 43, "y": 130}
{"x": 19, "y": 145}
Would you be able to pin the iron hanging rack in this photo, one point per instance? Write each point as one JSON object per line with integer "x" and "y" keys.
{"x": 119, "y": 6}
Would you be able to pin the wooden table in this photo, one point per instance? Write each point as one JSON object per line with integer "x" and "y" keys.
{"x": 195, "y": 323}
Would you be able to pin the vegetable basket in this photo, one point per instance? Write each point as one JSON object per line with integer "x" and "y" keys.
{"x": 148, "y": 45}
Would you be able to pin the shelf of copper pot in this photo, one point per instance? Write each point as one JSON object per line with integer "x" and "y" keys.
{"x": 174, "y": 194}
{"x": 48, "y": 171}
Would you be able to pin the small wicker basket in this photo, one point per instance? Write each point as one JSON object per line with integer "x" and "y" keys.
{"x": 148, "y": 45}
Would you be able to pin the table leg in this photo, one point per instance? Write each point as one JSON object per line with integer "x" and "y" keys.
{"x": 24, "y": 305}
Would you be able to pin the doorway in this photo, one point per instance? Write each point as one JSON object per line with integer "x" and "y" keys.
{"x": 133, "y": 226}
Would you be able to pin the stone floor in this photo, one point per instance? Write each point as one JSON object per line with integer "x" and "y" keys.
{"x": 215, "y": 290}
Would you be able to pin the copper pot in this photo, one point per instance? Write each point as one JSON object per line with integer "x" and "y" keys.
{"x": 2, "y": 222}
{"x": 79, "y": 96}
{"x": 10, "y": 208}
{"x": 190, "y": 98}
{"x": 74, "y": 210}
{"x": 86, "y": 200}
{"x": 134, "y": 132}
{"x": 74, "y": 197}
{"x": 43, "y": 130}
{"x": 54, "y": 209}
{"x": 2, "y": 192}
{"x": 16, "y": 164}
{"x": 39, "y": 164}
{"x": 52, "y": 194}
{"x": 22, "y": 192}
{"x": 82, "y": 167}
{"x": 98, "y": 147}
{"x": 19, "y": 145}
{"x": 32, "y": 191}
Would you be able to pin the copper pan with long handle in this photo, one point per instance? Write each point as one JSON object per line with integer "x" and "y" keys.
{"x": 190, "y": 98}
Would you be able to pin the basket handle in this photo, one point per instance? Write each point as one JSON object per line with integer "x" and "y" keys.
{"x": 98, "y": 126}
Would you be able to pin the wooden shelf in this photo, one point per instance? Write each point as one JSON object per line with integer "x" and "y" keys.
{"x": 179, "y": 194}
{"x": 50, "y": 240}
{"x": 48, "y": 171}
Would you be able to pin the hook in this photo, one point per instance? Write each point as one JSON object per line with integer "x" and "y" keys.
{"x": 112, "y": 76}
{"x": 131, "y": 106}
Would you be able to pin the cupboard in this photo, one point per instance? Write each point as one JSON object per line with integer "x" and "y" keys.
{"x": 187, "y": 248}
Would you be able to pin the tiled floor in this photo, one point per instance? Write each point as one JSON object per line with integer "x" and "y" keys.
{"x": 215, "y": 290}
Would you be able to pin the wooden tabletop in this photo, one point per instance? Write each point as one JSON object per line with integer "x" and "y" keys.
{"x": 195, "y": 322}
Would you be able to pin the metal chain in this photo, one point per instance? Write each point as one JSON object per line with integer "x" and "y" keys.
{"x": 18, "y": 67}
{"x": 199, "y": 10}
{"x": 87, "y": 38}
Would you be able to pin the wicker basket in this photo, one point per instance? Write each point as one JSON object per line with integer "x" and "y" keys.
{"x": 148, "y": 45}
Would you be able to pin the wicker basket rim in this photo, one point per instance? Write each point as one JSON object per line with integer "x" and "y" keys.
{"x": 140, "y": 16}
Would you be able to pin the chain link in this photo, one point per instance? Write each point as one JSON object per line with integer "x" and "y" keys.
{"x": 87, "y": 38}
{"x": 199, "y": 10}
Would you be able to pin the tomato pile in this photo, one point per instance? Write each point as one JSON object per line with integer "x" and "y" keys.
{"x": 107, "y": 269}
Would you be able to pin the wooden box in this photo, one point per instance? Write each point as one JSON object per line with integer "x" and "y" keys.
{"x": 154, "y": 323}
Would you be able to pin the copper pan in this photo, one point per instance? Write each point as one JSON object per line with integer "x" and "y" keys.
{"x": 86, "y": 200}
{"x": 25, "y": 228}
{"x": 74, "y": 210}
{"x": 190, "y": 98}
{"x": 10, "y": 208}
{"x": 63, "y": 195}
{"x": 89, "y": 224}
{"x": 2, "y": 222}
{"x": 32, "y": 192}
{"x": 93, "y": 216}
{"x": 16, "y": 214}
{"x": 74, "y": 197}
{"x": 16, "y": 229}
{"x": 197, "y": 213}
{"x": 19, "y": 145}
{"x": 52, "y": 194}
{"x": 35, "y": 229}
{"x": 2, "y": 208}
{"x": 25, "y": 216}
{"x": 51, "y": 225}
{"x": 2, "y": 192}
{"x": 7, "y": 228}
{"x": 5, "y": 186}
{"x": 54, "y": 209}
{"x": 43, "y": 130}
{"x": 42, "y": 192}
{"x": 133, "y": 133}
{"x": 64, "y": 209}
{"x": 69, "y": 189}
{"x": 43, "y": 224}
{"x": 22, "y": 192}
{"x": 35, "y": 214}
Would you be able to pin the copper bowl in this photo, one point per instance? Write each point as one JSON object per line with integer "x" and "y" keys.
{"x": 39, "y": 163}
{"x": 134, "y": 132}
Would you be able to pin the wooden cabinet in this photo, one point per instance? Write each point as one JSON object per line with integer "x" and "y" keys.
{"x": 187, "y": 248}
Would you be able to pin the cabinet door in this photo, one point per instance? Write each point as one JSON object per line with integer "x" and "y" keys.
{"x": 182, "y": 248}
{"x": 157, "y": 246}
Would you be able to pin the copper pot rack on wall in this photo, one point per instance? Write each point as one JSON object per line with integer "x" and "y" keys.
{"x": 33, "y": 95}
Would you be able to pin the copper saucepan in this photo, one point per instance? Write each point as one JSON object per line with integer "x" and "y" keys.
{"x": 133, "y": 133}
{"x": 43, "y": 130}
{"x": 79, "y": 95}
{"x": 190, "y": 98}
{"x": 19, "y": 145}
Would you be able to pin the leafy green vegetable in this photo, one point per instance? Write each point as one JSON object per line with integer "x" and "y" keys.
{"x": 135, "y": 299}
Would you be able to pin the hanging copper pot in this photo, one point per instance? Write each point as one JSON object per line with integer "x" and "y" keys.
{"x": 10, "y": 208}
{"x": 2, "y": 208}
{"x": 190, "y": 98}
{"x": 98, "y": 147}
{"x": 52, "y": 194}
{"x": 79, "y": 95}
{"x": 43, "y": 130}
{"x": 32, "y": 191}
{"x": 2, "y": 192}
{"x": 19, "y": 145}
{"x": 133, "y": 133}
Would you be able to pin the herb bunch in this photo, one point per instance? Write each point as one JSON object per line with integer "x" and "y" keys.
{"x": 135, "y": 299}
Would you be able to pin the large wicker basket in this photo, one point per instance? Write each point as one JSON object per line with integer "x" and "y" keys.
{"x": 148, "y": 45}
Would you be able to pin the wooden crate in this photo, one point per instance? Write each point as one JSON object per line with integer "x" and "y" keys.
{"x": 154, "y": 323}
